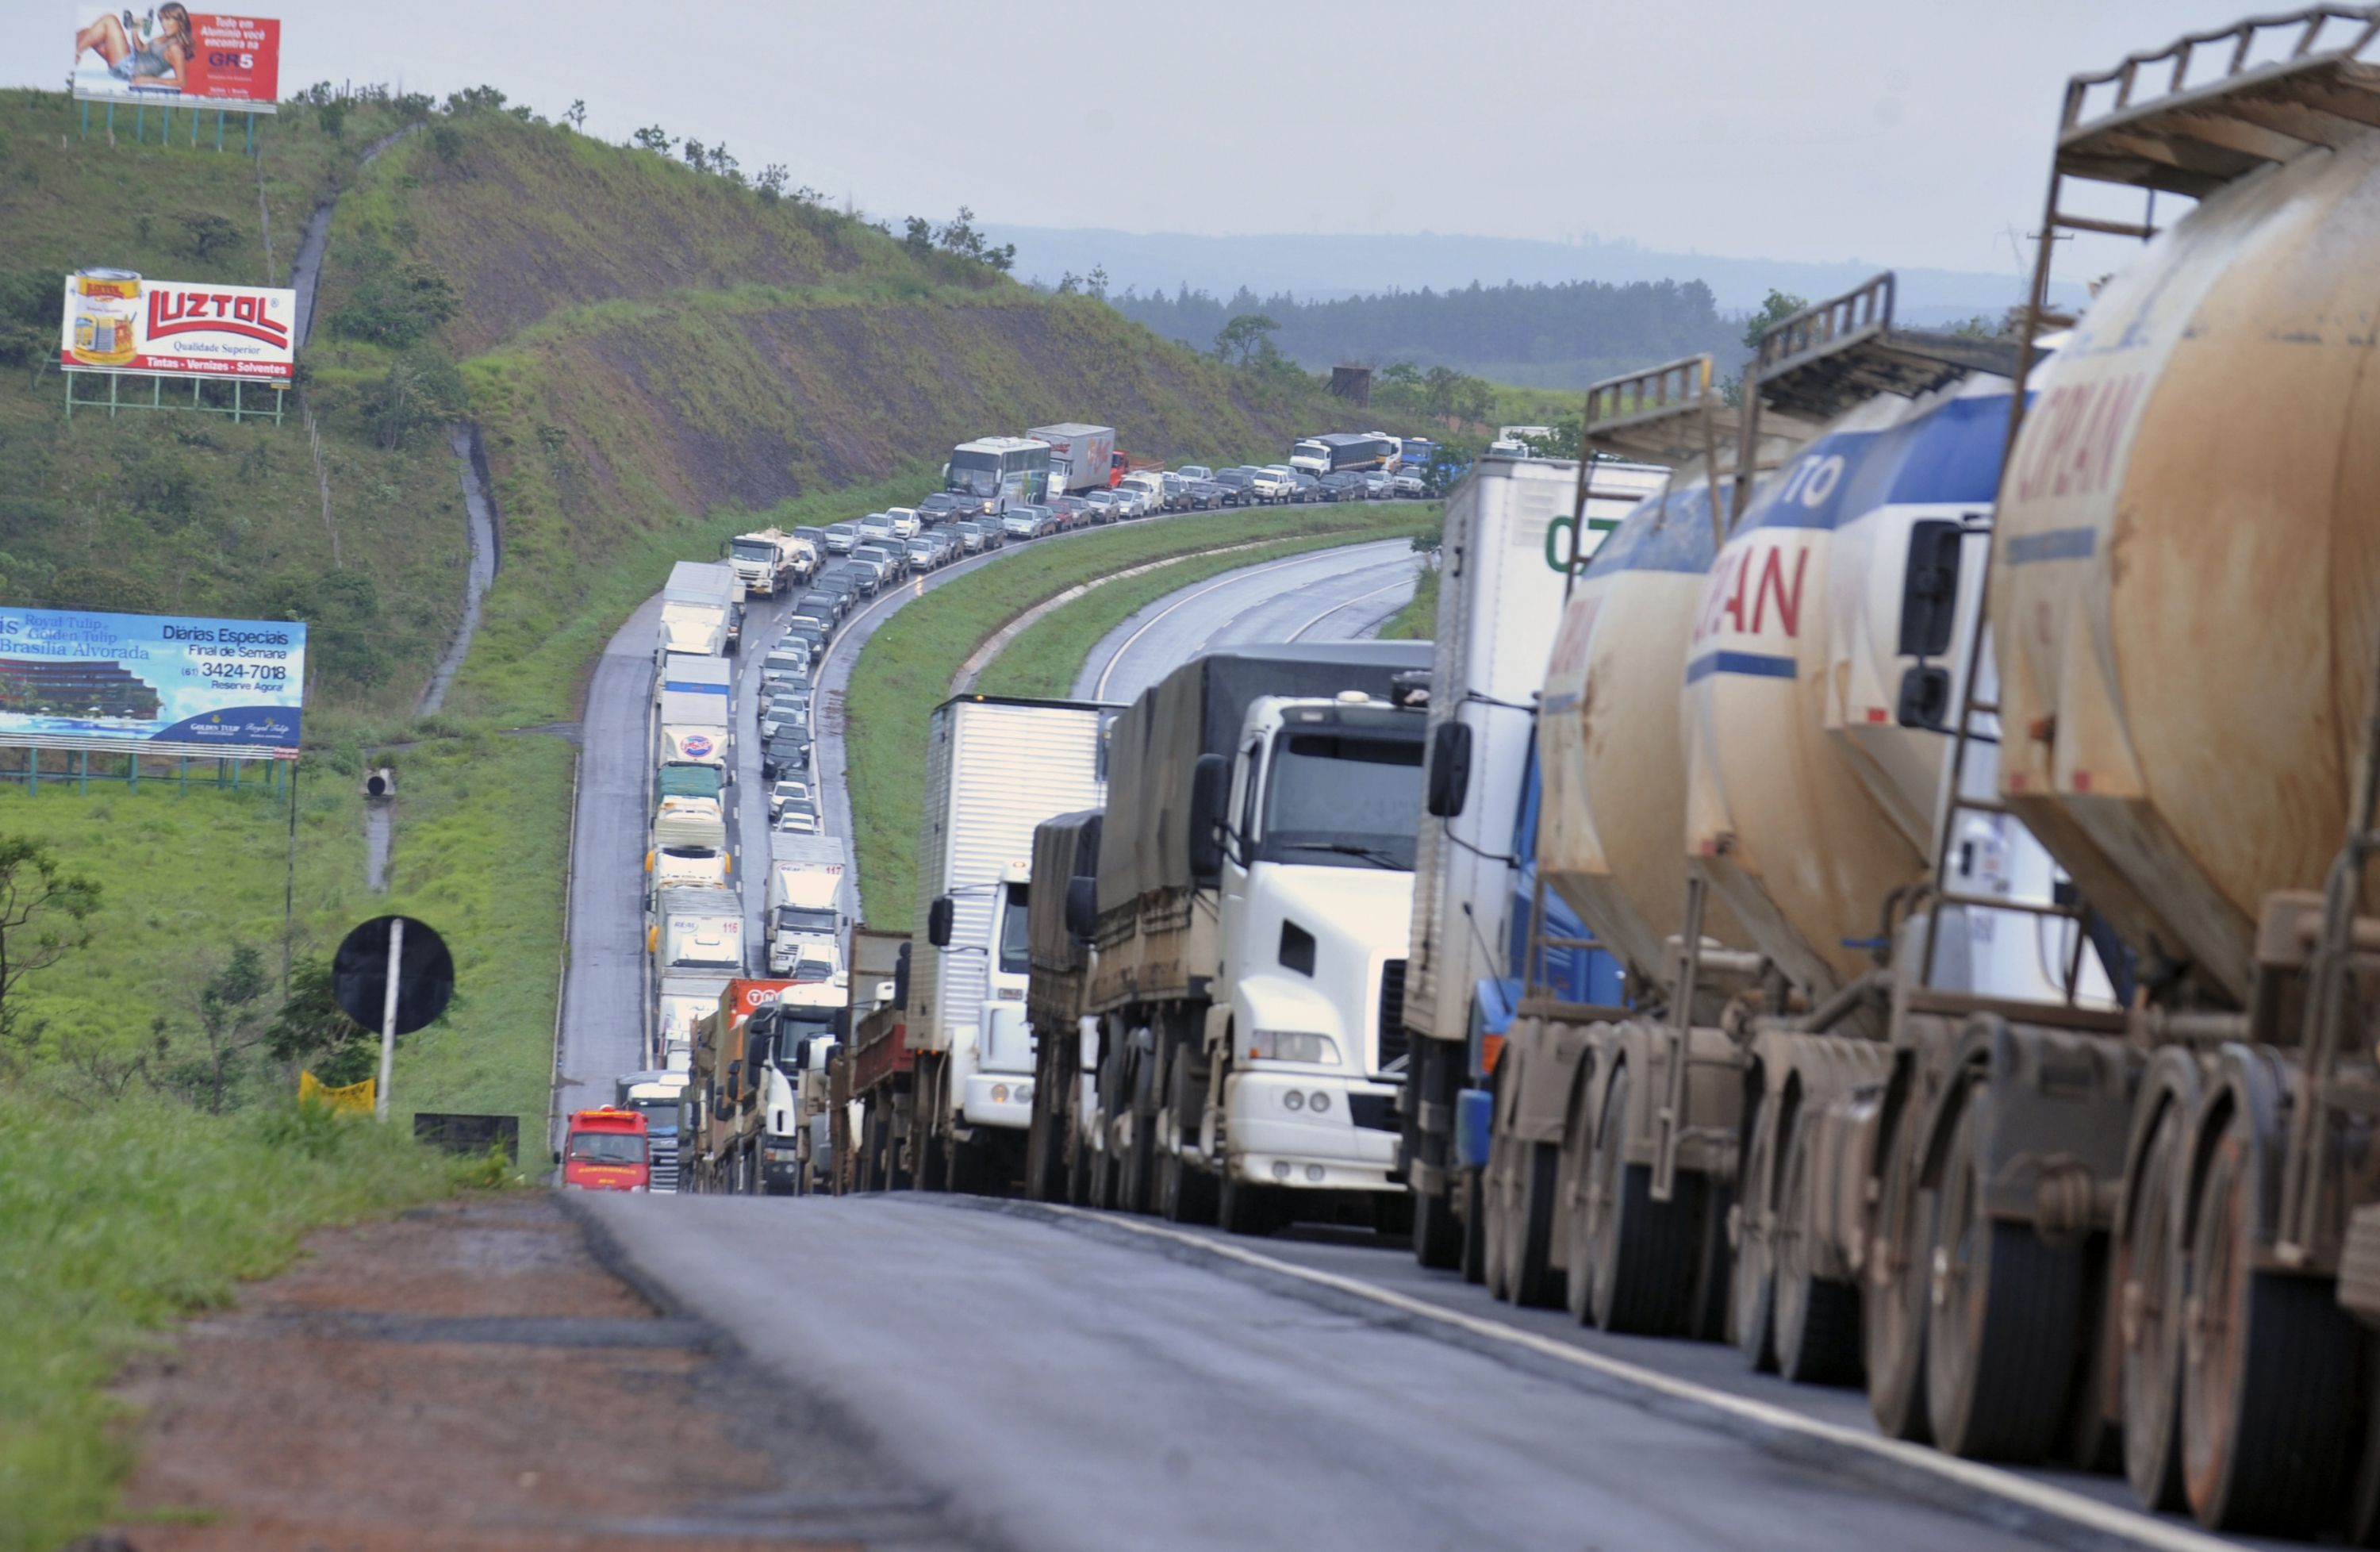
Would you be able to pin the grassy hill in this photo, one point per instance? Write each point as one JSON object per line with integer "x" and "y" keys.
{"x": 654, "y": 356}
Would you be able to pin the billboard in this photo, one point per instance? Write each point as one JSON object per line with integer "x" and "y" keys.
{"x": 116, "y": 321}
{"x": 76, "y": 677}
{"x": 172, "y": 54}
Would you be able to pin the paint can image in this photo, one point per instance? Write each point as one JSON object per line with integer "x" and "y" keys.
{"x": 106, "y": 304}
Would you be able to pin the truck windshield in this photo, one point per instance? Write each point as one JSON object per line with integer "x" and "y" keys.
{"x": 755, "y": 549}
{"x": 1311, "y": 450}
{"x": 660, "y": 1113}
{"x": 1343, "y": 799}
{"x": 1015, "y": 950}
{"x": 795, "y": 918}
{"x": 606, "y": 1147}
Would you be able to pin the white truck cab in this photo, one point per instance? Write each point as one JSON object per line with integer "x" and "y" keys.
{"x": 1315, "y": 915}
{"x": 991, "y": 1065}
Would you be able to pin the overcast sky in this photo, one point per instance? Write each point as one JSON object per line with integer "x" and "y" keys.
{"x": 1904, "y": 131}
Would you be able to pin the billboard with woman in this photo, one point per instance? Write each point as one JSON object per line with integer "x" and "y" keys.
{"x": 170, "y": 54}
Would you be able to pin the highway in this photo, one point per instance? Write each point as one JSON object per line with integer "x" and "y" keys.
{"x": 1332, "y": 595}
{"x": 1067, "y": 1379}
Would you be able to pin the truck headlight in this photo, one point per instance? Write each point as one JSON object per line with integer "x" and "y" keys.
{"x": 1288, "y": 1045}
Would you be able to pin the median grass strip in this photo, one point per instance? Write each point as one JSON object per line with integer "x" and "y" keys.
{"x": 904, "y": 670}
{"x": 119, "y": 1218}
{"x": 1046, "y": 656}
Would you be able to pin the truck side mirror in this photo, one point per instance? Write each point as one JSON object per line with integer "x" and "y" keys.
{"x": 940, "y": 917}
{"x": 1925, "y": 698}
{"x": 900, "y": 977}
{"x": 1210, "y": 782}
{"x": 1082, "y": 908}
{"x": 734, "y": 1081}
{"x": 1929, "y": 589}
{"x": 1450, "y": 769}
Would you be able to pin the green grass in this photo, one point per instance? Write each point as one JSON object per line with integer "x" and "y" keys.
{"x": 1417, "y": 620}
{"x": 120, "y": 1219}
{"x": 1047, "y": 656}
{"x": 904, "y": 671}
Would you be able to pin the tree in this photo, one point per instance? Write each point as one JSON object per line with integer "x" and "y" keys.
{"x": 1244, "y": 338}
{"x": 575, "y": 115}
{"x": 110, "y": 592}
{"x": 652, "y": 137}
{"x": 231, "y": 1016}
{"x": 421, "y": 393}
{"x": 771, "y": 182}
{"x": 1779, "y": 305}
{"x": 474, "y": 99}
{"x": 207, "y": 236}
{"x": 311, "y": 1030}
{"x": 697, "y": 154}
{"x": 918, "y": 237}
{"x": 44, "y": 915}
{"x": 397, "y": 305}
{"x": 332, "y": 115}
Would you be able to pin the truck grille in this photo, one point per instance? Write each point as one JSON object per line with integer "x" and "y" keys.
{"x": 1393, "y": 1016}
{"x": 664, "y": 1163}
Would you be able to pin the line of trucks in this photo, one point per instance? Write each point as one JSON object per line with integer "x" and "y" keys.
{"x": 1872, "y": 868}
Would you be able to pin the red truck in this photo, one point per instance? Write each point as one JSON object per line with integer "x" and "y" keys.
{"x": 607, "y": 1150}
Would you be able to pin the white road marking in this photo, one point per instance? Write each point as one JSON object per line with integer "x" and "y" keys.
{"x": 1349, "y": 604}
{"x": 1099, "y": 690}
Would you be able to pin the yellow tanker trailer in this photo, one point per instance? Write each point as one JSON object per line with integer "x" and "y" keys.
{"x": 2186, "y": 600}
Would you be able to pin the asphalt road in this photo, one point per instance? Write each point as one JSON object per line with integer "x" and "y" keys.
{"x": 1065, "y": 1384}
{"x": 1330, "y": 595}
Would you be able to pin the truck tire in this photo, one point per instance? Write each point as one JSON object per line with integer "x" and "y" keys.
{"x": 925, "y": 1114}
{"x": 1643, "y": 1249}
{"x": 1898, "y": 1276}
{"x": 1999, "y": 1355}
{"x": 2266, "y": 1409}
{"x": 1528, "y": 1223}
{"x": 1135, "y": 1159}
{"x": 1079, "y": 1175}
{"x": 1187, "y": 1194}
{"x": 1244, "y": 1209}
{"x": 966, "y": 1170}
{"x": 1817, "y": 1318}
{"x": 1437, "y": 1227}
{"x": 2149, "y": 1254}
{"x": 1437, "y": 1231}
{"x": 1474, "y": 1265}
{"x": 1752, "y": 1284}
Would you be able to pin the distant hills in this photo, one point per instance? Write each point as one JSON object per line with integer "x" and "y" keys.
{"x": 1324, "y": 268}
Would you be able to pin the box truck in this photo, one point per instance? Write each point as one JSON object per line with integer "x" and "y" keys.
{"x": 994, "y": 769}
{"x": 1081, "y": 457}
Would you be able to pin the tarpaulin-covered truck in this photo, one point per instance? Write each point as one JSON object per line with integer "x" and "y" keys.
{"x": 1255, "y": 895}
{"x": 727, "y": 1087}
{"x": 872, "y": 1071}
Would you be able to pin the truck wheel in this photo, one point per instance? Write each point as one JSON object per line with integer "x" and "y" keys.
{"x": 2150, "y": 1280}
{"x": 1577, "y": 1222}
{"x": 2269, "y": 1375}
{"x": 925, "y": 1114}
{"x": 1495, "y": 1199}
{"x": 1079, "y": 1170}
{"x": 1189, "y": 1191}
{"x": 1392, "y": 1212}
{"x": 1530, "y": 1223}
{"x": 1751, "y": 1283}
{"x": 1244, "y": 1209}
{"x": 1999, "y": 1355}
{"x": 1898, "y": 1275}
{"x": 1437, "y": 1231}
{"x": 1133, "y": 1164}
{"x": 1817, "y": 1318}
{"x": 1645, "y": 1249}
{"x": 1474, "y": 1263}
{"x": 964, "y": 1169}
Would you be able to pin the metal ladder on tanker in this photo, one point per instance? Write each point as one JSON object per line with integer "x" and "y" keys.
{"x": 2193, "y": 139}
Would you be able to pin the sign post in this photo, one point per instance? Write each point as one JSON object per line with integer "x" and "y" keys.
{"x": 388, "y": 1014}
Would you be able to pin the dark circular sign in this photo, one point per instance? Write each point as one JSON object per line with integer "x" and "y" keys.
{"x": 425, "y": 975}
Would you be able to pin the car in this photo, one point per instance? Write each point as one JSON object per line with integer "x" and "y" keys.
{"x": 1408, "y": 483}
{"x": 870, "y": 573}
{"x": 890, "y": 556}
{"x": 783, "y": 756}
{"x": 787, "y": 792}
{"x": 1076, "y": 512}
{"x": 815, "y": 640}
{"x": 1048, "y": 521}
{"x": 820, "y": 614}
{"x": 838, "y": 582}
{"x": 1195, "y": 472}
{"x": 947, "y": 547}
{"x": 1021, "y": 523}
{"x": 1345, "y": 485}
{"x": 966, "y": 536}
{"x": 1105, "y": 506}
{"x": 906, "y": 524}
{"x": 924, "y": 554}
{"x": 1238, "y": 486}
{"x": 877, "y": 525}
{"x": 1204, "y": 495}
{"x": 841, "y": 537}
{"x": 1177, "y": 490}
{"x": 1276, "y": 482}
{"x": 1377, "y": 485}
{"x": 795, "y": 822}
{"x": 1308, "y": 488}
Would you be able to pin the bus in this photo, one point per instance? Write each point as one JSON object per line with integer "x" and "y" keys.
{"x": 1000, "y": 472}
{"x": 1361, "y": 450}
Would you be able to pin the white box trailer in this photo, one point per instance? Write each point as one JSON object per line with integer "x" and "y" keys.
{"x": 697, "y": 603}
{"x": 1509, "y": 534}
{"x": 1088, "y": 453}
{"x": 995, "y": 769}
{"x": 696, "y": 695}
